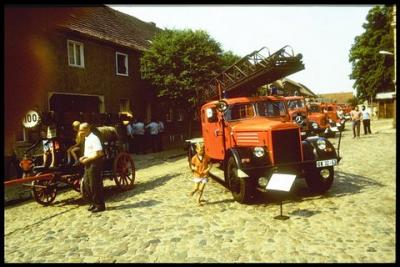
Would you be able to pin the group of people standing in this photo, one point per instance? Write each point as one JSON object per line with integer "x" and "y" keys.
{"x": 356, "y": 117}
{"x": 140, "y": 134}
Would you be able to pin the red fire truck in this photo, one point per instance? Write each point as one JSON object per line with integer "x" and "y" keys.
{"x": 251, "y": 139}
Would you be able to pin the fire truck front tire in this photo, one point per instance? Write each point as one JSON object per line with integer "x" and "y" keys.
{"x": 241, "y": 188}
{"x": 319, "y": 180}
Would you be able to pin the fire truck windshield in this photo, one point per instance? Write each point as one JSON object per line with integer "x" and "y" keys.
{"x": 294, "y": 104}
{"x": 250, "y": 110}
{"x": 315, "y": 108}
{"x": 271, "y": 108}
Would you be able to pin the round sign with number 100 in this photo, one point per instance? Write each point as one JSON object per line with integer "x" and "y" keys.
{"x": 31, "y": 119}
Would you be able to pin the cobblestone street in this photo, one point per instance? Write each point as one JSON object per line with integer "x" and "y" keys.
{"x": 156, "y": 221}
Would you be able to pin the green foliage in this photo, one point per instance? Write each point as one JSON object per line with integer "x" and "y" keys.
{"x": 373, "y": 72}
{"x": 181, "y": 62}
{"x": 354, "y": 101}
{"x": 228, "y": 58}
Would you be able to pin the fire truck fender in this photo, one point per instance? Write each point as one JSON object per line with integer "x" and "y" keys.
{"x": 311, "y": 151}
{"x": 235, "y": 154}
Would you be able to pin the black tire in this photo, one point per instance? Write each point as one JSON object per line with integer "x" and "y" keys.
{"x": 241, "y": 189}
{"x": 44, "y": 196}
{"x": 329, "y": 134}
{"x": 316, "y": 182}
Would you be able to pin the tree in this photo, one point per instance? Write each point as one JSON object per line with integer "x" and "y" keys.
{"x": 228, "y": 58}
{"x": 181, "y": 62}
{"x": 373, "y": 72}
{"x": 354, "y": 101}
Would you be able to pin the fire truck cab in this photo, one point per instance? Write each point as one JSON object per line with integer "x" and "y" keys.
{"x": 318, "y": 119}
{"x": 298, "y": 113}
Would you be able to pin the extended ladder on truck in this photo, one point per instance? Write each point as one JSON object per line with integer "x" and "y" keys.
{"x": 252, "y": 71}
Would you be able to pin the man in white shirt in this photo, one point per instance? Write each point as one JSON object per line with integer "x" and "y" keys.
{"x": 130, "y": 129}
{"x": 139, "y": 136}
{"x": 92, "y": 159}
{"x": 161, "y": 129}
{"x": 153, "y": 130}
{"x": 366, "y": 119}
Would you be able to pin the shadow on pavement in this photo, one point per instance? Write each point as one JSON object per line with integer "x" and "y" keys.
{"x": 140, "y": 204}
{"x": 140, "y": 188}
{"x": 220, "y": 201}
{"x": 114, "y": 193}
{"x": 344, "y": 184}
{"x": 144, "y": 161}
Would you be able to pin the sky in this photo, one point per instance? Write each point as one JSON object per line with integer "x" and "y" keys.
{"x": 323, "y": 34}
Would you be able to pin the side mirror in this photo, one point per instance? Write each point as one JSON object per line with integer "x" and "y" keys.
{"x": 222, "y": 105}
{"x": 209, "y": 113}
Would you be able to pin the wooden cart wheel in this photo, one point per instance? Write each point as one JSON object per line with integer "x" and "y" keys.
{"x": 45, "y": 193}
{"x": 124, "y": 171}
{"x": 76, "y": 185}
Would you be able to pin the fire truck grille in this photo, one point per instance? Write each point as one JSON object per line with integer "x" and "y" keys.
{"x": 247, "y": 137}
{"x": 286, "y": 146}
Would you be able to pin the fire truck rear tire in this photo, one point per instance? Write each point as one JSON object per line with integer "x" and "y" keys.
{"x": 241, "y": 188}
{"x": 317, "y": 183}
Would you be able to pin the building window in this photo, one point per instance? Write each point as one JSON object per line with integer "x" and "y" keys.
{"x": 124, "y": 105}
{"x": 75, "y": 54}
{"x": 121, "y": 61}
{"x": 168, "y": 117}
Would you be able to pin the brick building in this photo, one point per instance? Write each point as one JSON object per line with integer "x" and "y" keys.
{"x": 73, "y": 60}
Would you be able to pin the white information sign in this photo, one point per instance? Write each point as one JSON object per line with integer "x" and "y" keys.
{"x": 31, "y": 119}
{"x": 281, "y": 181}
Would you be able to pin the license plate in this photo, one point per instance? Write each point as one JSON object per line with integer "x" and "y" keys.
{"x": 303, "y": 133}
{"x": 326, "y": 163}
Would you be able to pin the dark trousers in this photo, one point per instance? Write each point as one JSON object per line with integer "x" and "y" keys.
{"x": 132, "y": 145}
{"x": 367, "y": 126}
{"x": 154, "y": 142}
{"x": 93, "y": 183}
{"x": 356, "y": 128}
{"x": 160, "y": 141}
{"x": 139, "y": 143}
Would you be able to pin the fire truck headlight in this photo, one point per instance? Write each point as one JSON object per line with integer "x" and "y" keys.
{"x": 258, "y": 151}
{"x": 321, "y": 144}
{"x": 315, "y": 125}
{"x": 263, "y": 181}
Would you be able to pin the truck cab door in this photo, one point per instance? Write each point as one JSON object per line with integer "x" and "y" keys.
{"x": 212, "y": 129}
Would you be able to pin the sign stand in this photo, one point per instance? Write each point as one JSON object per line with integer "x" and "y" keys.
{"x": 281, "y": 182}
{"x": 281, "y": 217}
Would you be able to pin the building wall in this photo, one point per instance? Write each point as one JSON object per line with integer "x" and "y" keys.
{"x": 99, "y": 77}
{"x": 341, "y": 98}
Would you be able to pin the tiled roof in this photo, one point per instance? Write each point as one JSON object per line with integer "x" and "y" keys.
{"x": 303, "y": 89}
{"x": 105, "y": 23}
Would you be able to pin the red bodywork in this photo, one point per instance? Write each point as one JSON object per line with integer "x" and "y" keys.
{"x": 317, "y": 115}
{"x": 298, "y": 112}
{"x": 331, "y": 111}
{"x": 251, "y": 130}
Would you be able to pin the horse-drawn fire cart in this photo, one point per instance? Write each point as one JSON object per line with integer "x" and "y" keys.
{"x": 44, "y": 182}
